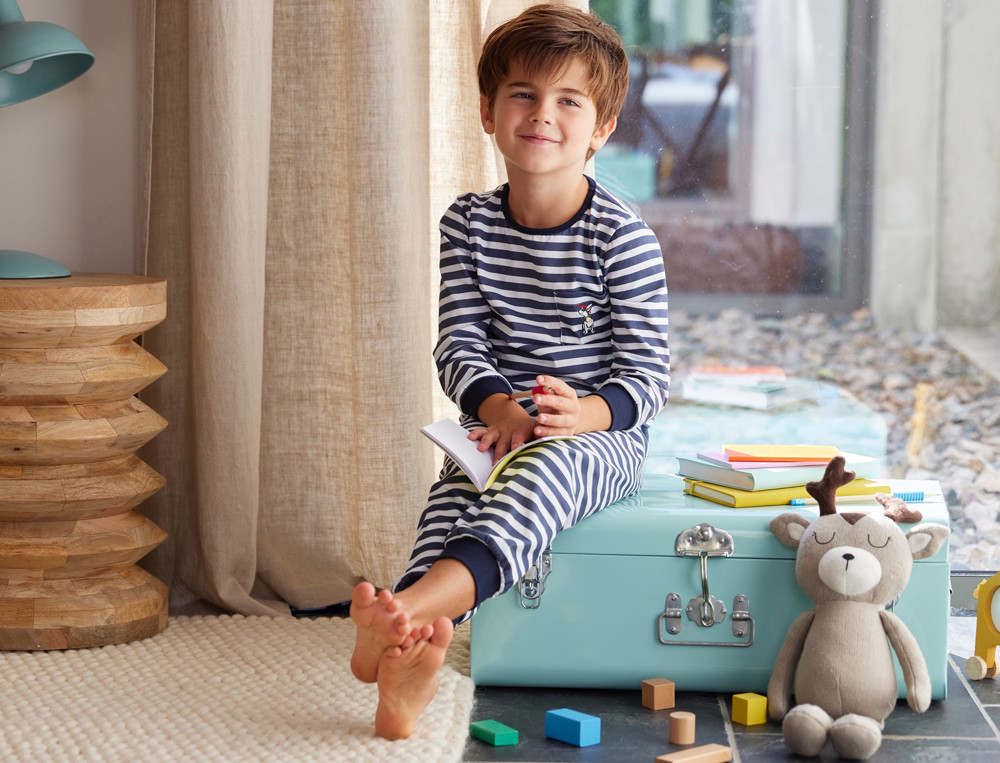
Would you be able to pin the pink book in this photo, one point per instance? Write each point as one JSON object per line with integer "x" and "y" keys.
{"x": 721, "y": 460}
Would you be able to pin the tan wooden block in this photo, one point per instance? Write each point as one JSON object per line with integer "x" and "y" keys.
{"x": 16, "y": 613}
{"x": 78, "y": 491}
{"x": 109, "y": 316}
{"x": 44, "y": 530}
{"x": 20, "y": 323}
{"x": 136, "y": 430}
{"x": 82, "y": 290}
{"x": 41, "y": 413}
{"x": 682, "y": 725}
{"x": 77, "y": 549}
{"x": 18, "y": 441}
{"x": 21, "y": 355}
{"x": 76, "y": 375}
{"x": 39, "y": 372}
{"x": 658, "y": 693}
{"x": 708, "y": 753}
{"x": 61, "y": 442}
{"x": 73, "y": 611}
{"x": 15, "y": 413}
{"x": 33, "y": 328}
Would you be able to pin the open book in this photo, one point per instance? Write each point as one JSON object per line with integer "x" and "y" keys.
{"x": 453, "y": 438}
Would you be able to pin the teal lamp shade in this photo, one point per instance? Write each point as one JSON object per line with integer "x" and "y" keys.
{"x": 35, "y": 57}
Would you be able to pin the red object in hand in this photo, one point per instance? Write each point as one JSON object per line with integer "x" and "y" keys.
{"x": 536, "y": 390}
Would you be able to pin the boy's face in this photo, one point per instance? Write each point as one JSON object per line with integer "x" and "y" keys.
{"x": 546, "y": 123}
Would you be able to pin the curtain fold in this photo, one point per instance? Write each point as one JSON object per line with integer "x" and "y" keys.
{"x": 295, "y": 158}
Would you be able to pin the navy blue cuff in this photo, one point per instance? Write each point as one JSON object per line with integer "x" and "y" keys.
{"x": 623, "y": 409}
{"x": 479, "y": 390}
{"x": 480, "y": 561}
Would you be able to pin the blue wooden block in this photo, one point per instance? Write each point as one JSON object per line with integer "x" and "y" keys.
{"x": 573, "y": 727}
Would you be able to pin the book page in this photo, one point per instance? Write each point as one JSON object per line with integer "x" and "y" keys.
{"x": 453, "y": 438}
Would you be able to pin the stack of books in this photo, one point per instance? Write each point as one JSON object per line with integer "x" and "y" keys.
{"x": 744, "y": 476}
{"x": 759, "y": 387}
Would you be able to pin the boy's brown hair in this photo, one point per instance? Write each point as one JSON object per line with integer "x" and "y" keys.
{"x": 545, "y": 38}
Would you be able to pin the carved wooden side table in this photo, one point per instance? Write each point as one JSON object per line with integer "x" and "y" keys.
{"x": 69, "y": 480}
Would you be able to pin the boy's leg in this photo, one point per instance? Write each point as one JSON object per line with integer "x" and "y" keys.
{"x": 408, "y": 679}
{"x": 381, "y": 619}
{"x": 548, "y": 489}
{"x": 381, "y": 623}
{"x": 446, "y": 589}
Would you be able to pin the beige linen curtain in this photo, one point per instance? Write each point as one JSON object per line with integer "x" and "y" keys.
{"x": 295, "y": 158}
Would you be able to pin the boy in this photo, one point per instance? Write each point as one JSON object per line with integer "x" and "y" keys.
{"x": 549, "y": 281}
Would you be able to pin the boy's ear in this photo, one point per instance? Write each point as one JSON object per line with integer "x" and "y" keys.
{"x": 602, "y": 134}
{"x": 485, "y": 115}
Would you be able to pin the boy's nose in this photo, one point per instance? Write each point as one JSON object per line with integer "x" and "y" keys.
{"x": 541, "y": 115}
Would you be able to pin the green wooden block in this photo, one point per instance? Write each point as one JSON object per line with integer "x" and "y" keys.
{"x": 493, "y": 732}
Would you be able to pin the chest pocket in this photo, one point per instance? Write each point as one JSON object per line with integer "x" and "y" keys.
{"x": 583, "y": 315}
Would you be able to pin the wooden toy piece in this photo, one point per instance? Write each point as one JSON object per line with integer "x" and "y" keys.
{"x": 681, "y": 727}
{"x": 658, "y": 693}
{"x": 749, "y": 709}
{"x": 983, "y": 663}
{"x": 493, "y": 732}
{"x": 573, "y": 727}
{"x": 707, "y": 753}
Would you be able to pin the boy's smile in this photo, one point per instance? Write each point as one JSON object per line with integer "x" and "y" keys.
{"x": 545, "y": 124}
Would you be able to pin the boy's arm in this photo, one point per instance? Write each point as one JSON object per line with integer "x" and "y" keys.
{"x": 463, "y": 354}
{"x": 640, "y": 371}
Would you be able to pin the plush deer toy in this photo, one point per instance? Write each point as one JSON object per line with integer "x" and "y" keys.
{"x": 851, "y": 565}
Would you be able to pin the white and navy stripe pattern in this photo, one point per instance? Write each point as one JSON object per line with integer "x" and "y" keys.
{"x": 549, "y": 488}
{"x": 587, "y": 303}
{"x": 513, "y": 300}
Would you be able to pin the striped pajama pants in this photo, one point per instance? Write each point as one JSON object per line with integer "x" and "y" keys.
{"x": 547, "y": 489}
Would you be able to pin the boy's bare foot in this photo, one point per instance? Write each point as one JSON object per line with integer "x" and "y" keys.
{"x": 381, "y": 624}
{"x": 408, "y": 679}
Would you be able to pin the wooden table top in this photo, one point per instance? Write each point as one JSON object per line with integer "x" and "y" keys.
{"x": 82, "y": 291}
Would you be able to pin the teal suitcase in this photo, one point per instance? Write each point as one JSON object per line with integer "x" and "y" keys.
{"x": 668, "y": 585}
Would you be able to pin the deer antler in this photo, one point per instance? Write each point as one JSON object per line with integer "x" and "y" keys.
{"x": 897, "y": 510}
{"x": 825, "y": 491}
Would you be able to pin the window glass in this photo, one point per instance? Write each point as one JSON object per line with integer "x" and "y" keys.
{"x": 731, "y": 141}
{"x": 748, "y": 144}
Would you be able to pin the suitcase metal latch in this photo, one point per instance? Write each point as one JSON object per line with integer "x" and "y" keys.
{"x": 704, "y": 541}
{"x": 531, "y": 586}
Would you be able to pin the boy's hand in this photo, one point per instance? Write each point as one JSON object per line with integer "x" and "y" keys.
{"x": 561, "y": 412}
{"x": 508, "y": 426}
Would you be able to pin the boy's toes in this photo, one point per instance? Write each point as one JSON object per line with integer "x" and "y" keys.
{"x": 363, "y": 594}
{"x": 443, "y": 629}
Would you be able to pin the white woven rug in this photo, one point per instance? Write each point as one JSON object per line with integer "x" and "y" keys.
{"x": 218, "y": 689}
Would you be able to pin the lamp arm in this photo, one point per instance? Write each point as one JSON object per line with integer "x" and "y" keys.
{"x": 10, "y": 12}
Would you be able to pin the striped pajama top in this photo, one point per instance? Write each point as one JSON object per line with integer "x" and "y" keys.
{"x": 586, "y": 302}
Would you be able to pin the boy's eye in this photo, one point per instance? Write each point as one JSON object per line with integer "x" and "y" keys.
{"x": 522, "y": 95}
{"x": 570, "y": 102}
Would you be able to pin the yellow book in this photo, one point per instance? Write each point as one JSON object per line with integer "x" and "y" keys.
{"x": 780, "y": 452}
{"x": 742, "y": 499}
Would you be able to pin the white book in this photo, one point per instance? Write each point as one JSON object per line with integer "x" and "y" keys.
{"x": 767, "y": 477}
{"x": 477, "y": 464}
